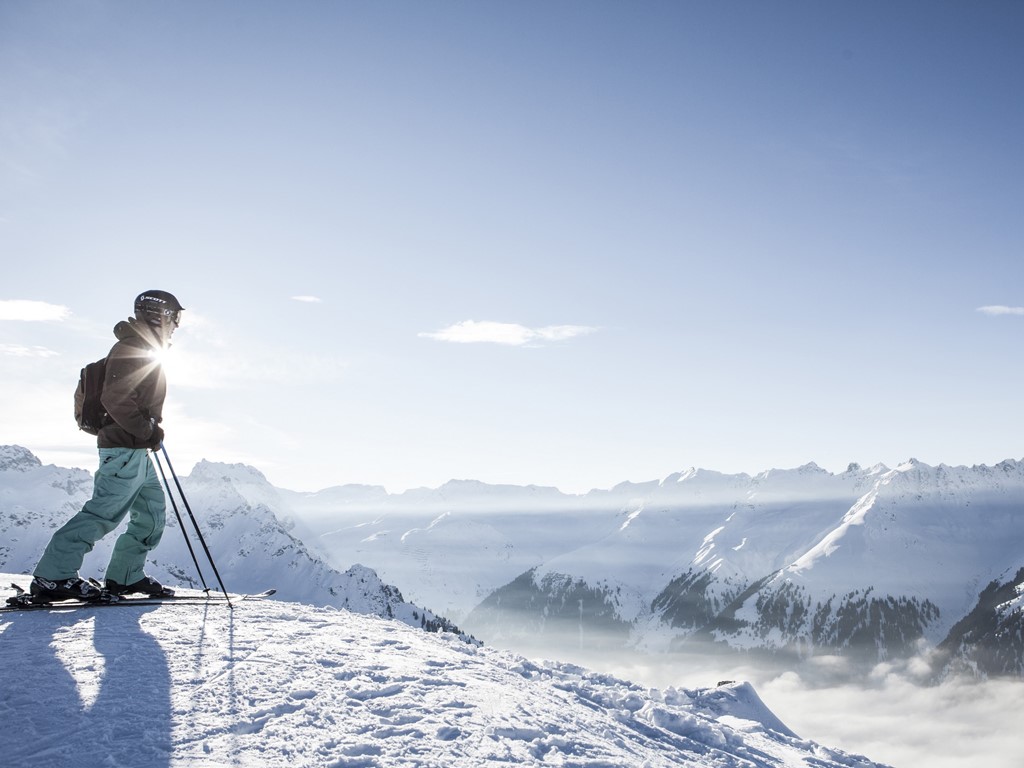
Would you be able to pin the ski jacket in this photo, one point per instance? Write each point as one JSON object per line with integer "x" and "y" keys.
{"x": 133, "y": 389}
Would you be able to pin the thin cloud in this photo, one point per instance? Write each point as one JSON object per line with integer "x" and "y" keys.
{"x": 32, "y": 311}
{"x": 19, "y": 350}
{"x": 998, "y": 309}
{"x": 510, "y": 334}
{"x": 307, "y": 299}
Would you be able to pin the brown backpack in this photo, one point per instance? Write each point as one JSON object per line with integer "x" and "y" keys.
{"x": 89, "y": 412}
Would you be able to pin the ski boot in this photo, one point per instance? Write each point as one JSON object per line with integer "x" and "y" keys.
{"x": 147, "y": 585}
{"x": 45, "y": 591}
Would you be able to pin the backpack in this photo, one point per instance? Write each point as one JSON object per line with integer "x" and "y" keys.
{"x": 89, "y": 412}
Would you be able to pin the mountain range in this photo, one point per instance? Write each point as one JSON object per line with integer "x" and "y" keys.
{"x": 871, "y": 564}
{"x": 242, "y": 520}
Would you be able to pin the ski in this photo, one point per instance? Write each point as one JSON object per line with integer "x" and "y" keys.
{"x": 207, "y": 594}
{"x": 22, "y": 601}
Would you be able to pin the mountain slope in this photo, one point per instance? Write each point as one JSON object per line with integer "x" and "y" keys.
{"x": 455, "y": 545}
{"x": 284, "y": 684}
{"x": 990, "y": 639}
{"x": 237, "y": 511}
{"x": 902, "y": 565}
{"x": 869, "y": 564}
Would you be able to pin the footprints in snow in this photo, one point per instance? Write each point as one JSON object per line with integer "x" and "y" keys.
{"x": 391, "y": 697}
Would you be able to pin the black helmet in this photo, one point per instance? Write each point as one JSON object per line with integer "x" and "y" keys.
{"x": 157, "y": 308}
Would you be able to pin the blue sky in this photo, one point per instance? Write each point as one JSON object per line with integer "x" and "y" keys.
{"x": 565, "y": 244}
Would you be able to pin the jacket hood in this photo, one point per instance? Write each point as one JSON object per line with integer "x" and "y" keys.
{"x": 129, "y": 329}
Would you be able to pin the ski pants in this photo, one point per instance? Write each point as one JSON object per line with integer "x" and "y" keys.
{"x": 125, "y": 482}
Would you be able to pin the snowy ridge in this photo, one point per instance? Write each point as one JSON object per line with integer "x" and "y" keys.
{"x": 289, "y": 685}
{"x": 237, "y": 511}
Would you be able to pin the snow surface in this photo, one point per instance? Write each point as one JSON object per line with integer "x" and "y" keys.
{"x": 271, "y": 683}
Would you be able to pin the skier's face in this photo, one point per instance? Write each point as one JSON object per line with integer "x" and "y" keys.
{"x": 170, "y": 325}
{"x": 164, "y": 327}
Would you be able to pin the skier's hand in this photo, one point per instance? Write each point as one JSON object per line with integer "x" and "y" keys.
{"x": 157, "y": 438}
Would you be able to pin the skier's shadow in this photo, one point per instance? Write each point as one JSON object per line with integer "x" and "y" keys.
{"x": 117, "y": 711}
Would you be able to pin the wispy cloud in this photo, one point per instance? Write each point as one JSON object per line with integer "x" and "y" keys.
{"x": 511, "y": 334}
{"x": 308, "y": 299}
{"x": 32, "y": 311}
{"x": 19, "y": 350}
{"x": 998, "y": 309}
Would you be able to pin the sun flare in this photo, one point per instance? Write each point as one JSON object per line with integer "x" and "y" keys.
{"x": 162, "y": 356}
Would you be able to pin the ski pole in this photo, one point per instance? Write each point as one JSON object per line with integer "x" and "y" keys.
{"x": 181, "y": 523}
{"x": 195, "y": 525}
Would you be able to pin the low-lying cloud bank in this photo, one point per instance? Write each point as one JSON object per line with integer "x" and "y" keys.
{"x": 891, "y": 716}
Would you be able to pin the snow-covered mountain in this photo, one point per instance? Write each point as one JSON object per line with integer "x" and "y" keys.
{"x": 872, "y": 563}
{"x": 453, "y": 545}
{"x": 875, "y": 564}
{"x": 287, "y": 685}
{"x": 240, "y": 515}
{"x": 990, "y": 637}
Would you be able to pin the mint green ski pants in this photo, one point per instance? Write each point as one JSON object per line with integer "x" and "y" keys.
{"x": 126, "y": 482}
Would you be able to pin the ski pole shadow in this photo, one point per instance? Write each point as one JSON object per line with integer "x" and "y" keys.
{"x": 85, "y": 704}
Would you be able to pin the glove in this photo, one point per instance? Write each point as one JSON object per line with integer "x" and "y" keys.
{"x": 156, "y": 438}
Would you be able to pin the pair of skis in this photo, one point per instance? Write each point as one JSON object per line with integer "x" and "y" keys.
{"x": 23, "y": 601}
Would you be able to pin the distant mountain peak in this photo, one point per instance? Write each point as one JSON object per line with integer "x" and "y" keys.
{"x": 810, "y": 469}
{"x": 18, "y": 459}
{"x": 213, "y": 471}
{"x": 910, "y": 464}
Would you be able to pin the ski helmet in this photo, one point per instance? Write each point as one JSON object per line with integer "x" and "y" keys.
{"x": 157, "y": 308}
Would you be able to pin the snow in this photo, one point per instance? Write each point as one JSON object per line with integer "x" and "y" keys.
{"x": 271, "y": 683}
{"x": 938, "y": 532}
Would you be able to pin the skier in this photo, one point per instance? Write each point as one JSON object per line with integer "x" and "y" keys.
{"x": 133, "y": 397}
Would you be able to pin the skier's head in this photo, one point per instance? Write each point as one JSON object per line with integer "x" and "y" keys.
{"x": 159, "y": 310}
